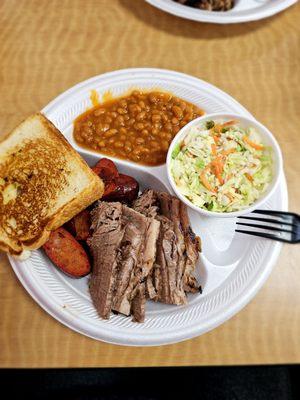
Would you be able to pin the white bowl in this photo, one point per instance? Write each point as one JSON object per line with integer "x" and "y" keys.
{"x": 267, "y": 139}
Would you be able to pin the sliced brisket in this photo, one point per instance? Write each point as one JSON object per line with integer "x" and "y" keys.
{"x": 170, "y": 208}
{"x": 177, "y": 248}
{"x": 138, "y": 304}
{"x": 127, "y": 262}
{"x": 167, "y": 260}
{"x": 123, "y": 246}
{"x": 145, "y": 257}
{"x": 130, "y": 260}
{"x": 146, "y": 251}
{"x": 193, "y": 247}
{"x": 165, "y": 276}
{"x": 188, "y": 244}
{"x": 149, "y": 254}
{"x": 150, "y": 289}
{"x": 147, "y": 203}
{"x": 104, "y": 245}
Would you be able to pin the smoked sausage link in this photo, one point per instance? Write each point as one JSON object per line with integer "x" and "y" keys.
{"x": 67, "y": 254}
{"x": 126, "y": 189}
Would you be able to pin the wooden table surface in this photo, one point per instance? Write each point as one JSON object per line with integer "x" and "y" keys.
{"x": 48, "y": 46}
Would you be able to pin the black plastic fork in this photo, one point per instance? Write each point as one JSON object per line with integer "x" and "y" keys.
{"x": 279, "y": 225}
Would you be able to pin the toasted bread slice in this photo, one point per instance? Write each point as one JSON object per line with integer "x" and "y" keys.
{"x": 43, "y": 183}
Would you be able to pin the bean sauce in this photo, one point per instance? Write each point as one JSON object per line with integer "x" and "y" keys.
{"x": 138, "y": 127}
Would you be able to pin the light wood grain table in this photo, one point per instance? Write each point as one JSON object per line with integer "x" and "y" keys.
{"x": 48, "y": 46}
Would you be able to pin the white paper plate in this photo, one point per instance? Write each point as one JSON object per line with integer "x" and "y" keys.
{"x": 243, "y": 11}
{"x": 231, "y": 272}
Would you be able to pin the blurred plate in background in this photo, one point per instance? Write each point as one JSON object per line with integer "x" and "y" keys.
{"x": 243, "y": 11}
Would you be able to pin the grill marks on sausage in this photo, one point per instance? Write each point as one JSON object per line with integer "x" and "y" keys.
{"x": 148, "y": 251}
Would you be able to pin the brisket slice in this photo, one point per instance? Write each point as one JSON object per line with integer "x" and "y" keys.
{"x": 104, "y": 244}
{"x": 123, "y": 247}
{"x": 135, "y": 292}
{"x": 144, "y": 273}
{"x": 170, "y": 208}
{"x": 150, "y": 288}
{"x": 138, "y": 304}
{"x": 165, "y": 275}
{"x": 150, "y": 250}
{"x": 129, "y": 264}
{"x": 149, "y": 254}
{"x": 129, "y": 254}
{"x": 177, "y": 245}
{"x": 188, "y": 243}
{"x": 193, "y": 247}
{"x": 164, "y": 283}
{"x": 147, "y": 203}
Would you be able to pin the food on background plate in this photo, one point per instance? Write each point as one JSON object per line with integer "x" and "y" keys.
{"x": 43, "y": 183}
{"x": 221, "y": 166}
{"x": 67, "y": 253}
{"x": 138, "y": 127}
{"x": 148, "y": 251}
{"x": 209, "y": 5}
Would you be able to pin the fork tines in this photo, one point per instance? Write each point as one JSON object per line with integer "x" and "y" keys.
{"x": 277, "y": 225}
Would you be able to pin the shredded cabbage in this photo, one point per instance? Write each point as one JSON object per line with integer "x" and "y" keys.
{"x": 221, "y": 166}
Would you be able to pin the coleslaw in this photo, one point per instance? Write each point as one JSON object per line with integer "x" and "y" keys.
{"x": 221, "y": 166}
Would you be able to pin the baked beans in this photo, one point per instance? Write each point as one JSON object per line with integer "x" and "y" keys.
{"x": 138, "y": 127}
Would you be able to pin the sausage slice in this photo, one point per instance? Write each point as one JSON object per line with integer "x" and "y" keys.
{"x": 67, "y": 254}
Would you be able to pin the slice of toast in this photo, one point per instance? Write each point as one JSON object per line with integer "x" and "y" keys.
{"x": 43, "y": 183}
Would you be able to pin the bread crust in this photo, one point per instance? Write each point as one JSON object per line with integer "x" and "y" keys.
{"x": 92, "y": 192}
